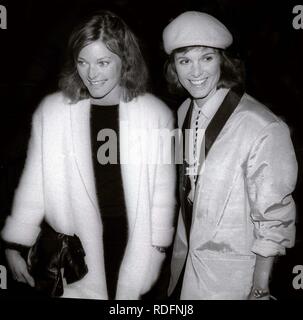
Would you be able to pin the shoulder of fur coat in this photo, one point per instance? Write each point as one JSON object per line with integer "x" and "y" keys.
{"x": 152, "y": 106}
{"x": 53, "y": 103}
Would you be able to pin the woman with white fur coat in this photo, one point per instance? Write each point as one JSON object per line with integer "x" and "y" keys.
{"x": 63, "y": 181}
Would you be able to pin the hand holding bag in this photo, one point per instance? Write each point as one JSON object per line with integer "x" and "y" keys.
{"x": 53, "y": 256}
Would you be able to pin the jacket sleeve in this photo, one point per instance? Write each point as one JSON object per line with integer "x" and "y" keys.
{"x": 164, "y": 196}
{"x": 23, "y": 225}
{"x": 271, "y": 178}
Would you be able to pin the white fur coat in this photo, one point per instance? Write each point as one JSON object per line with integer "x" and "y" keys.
{"x": 58, "y": 184}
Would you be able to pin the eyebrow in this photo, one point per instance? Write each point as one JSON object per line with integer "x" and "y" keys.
{"x": 99, "y": 59}
{"x": 107, "y": 57}
{"x": 181, "y": 57}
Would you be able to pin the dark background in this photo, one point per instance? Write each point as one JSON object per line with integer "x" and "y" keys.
{"x": 32, "y": 52}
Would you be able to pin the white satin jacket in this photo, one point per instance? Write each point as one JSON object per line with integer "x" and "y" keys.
{"x": 242, "y": 206}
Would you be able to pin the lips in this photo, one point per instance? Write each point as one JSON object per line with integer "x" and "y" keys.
{"x": 199, "y": 82}
{"x": 96, "y": 83}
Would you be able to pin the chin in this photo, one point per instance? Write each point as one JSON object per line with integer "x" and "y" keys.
{"x": 199, "y": 96}
{"x": 96, "y": 95}
{"x": 202, "y": 94}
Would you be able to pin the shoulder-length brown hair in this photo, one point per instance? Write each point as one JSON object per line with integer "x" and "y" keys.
{"x": 232, "y": 71}
{"x": 117, "y": 36}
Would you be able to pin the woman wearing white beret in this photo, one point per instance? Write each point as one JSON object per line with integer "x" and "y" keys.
{"x": 237, "y": 212}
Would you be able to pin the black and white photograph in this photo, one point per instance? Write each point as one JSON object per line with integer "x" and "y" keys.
{"x": 151, "y": 151}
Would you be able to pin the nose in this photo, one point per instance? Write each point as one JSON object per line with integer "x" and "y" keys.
{"x": 92, "y": 72}
{"x": 196, "y": 69}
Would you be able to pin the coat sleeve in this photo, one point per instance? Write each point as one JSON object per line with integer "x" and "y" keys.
{"x": 164, "y": 197}
{"x": 271, "y": 178}
{"x": 23, "y": 225}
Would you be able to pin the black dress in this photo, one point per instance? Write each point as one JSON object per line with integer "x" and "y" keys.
{"x": 110, "y": 193}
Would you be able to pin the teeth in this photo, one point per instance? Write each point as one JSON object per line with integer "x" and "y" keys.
{"x": 197, "y": 82}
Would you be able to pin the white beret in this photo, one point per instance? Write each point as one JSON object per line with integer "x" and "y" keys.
{"x": 193, "y": 28}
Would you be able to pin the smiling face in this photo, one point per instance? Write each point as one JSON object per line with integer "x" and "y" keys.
{"x": 100, "y": 70}
{"x": 198, "y": 71}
